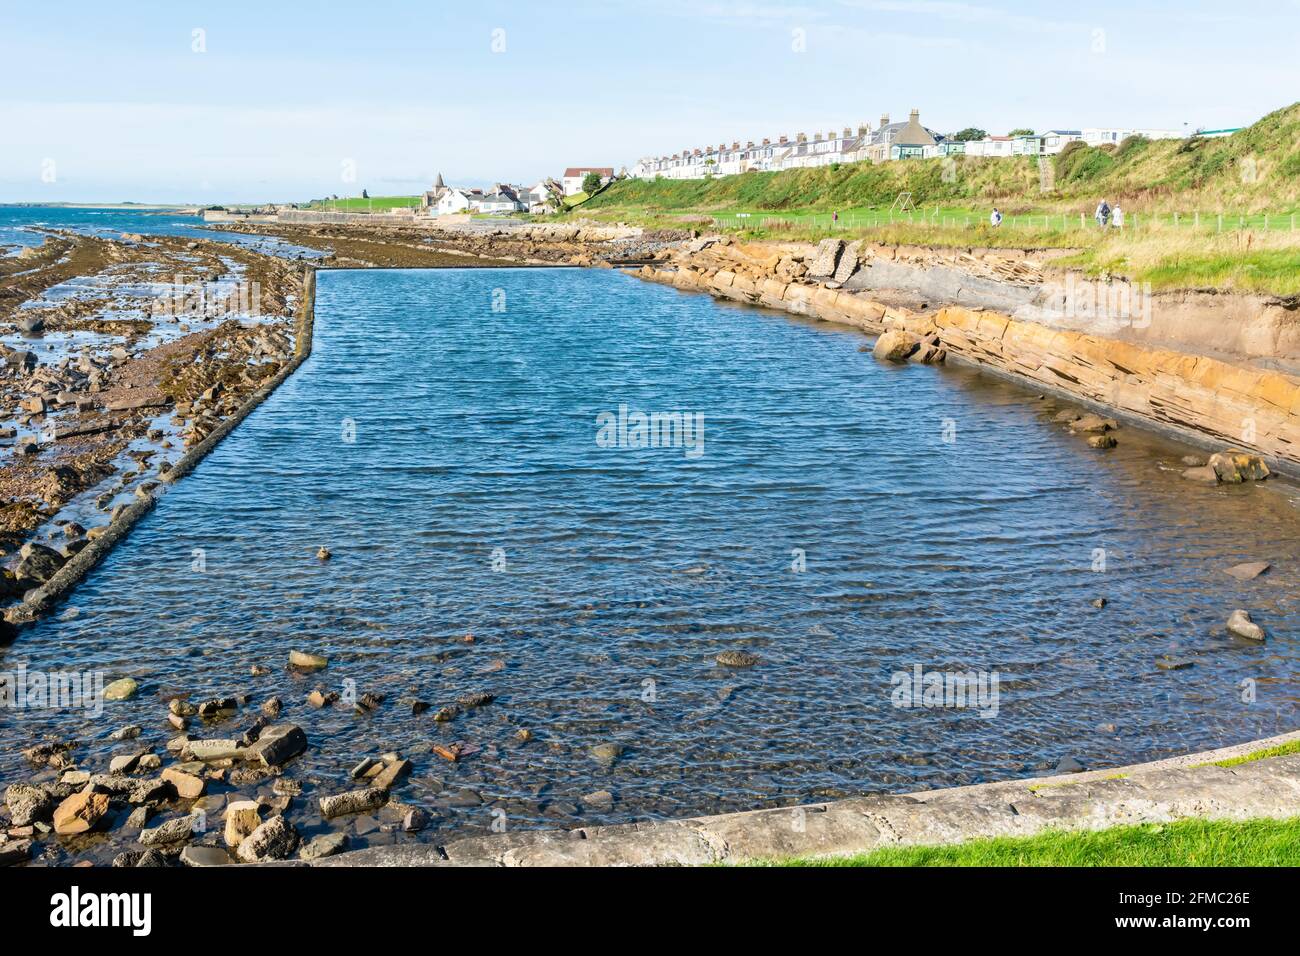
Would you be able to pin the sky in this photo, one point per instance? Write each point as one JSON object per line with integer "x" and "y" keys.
{"x": 237, "y": 101}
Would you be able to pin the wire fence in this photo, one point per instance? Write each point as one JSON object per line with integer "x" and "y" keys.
{"x": 1209, "y": 222}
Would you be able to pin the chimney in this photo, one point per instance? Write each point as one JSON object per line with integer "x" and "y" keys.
{"x": 848, "y": 133}
{"x": 916, "y": 116}
{"x": 884, "y": 120}
{"x": 737, "y": 145}
{"x": 767, "y": 142}
{"x": 800, "y": 138}
{"x": 783, "y": 141}
{"x": 749, "y": 145}
{"x": 864, "y": 129}
{"x": 817, "y": 137}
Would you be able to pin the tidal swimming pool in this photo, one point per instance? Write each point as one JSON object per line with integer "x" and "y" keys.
{"x": 465, "y": 444}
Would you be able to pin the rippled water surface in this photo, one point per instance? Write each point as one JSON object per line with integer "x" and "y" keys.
{"x": 446, "y": 453}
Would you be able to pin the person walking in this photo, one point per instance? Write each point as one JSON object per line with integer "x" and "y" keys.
{"x": 1117, "y": 217}
{"x": 995, "y": 217}
{"x": 1102, "y": 214}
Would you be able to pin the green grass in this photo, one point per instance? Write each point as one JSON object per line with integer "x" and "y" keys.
{"x": 1185, "y": 843}
{"x": 1281, "y": 750}
{"x": 373, "y": 204}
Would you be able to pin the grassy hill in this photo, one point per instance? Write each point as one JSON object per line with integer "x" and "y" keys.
{"x": 1254, "y": 170}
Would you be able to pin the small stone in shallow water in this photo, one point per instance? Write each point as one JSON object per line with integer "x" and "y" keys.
{"x": 737, "y": 659}
{"x": 600, "y": 800}
{"x": 205, "y": 856}
{"x": 1069, "y": 765}
{"x": 323, "y": 845}
{"x": 1103, "y": 441}
{"x": 1248, "y": 571}
{"x": 1099, "y": 602}
{"x": 173, "y": 831}
{"x": 607, "y": 752}
{"x": 1168, "y": 663}
{"x": 323, "y": 554}
{"x": 415, "y": 820}
{"x": 126, "y": 733}
{"x": 307, "y": 661}
{"x": 1240, "y": 624}
{"x": 273, "y": 840}
{"x": 123, "y": 689}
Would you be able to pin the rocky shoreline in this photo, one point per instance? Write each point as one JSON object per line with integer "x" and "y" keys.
{"x": 125, "y": 356}
{"x": 1248, "y": 414}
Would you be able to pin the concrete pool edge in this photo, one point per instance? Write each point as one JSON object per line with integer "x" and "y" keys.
{"x": 43, "y": 599}
{"x": 1161, "y": 791}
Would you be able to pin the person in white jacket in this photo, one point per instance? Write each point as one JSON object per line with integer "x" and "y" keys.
{"x": 995, "y": 218}
{"x": 1117, "y": 217}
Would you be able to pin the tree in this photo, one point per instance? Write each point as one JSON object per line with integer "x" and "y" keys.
{"x": 591, "y": 182}
{"x": 968, "y": 134}
{"x": 1021, "y": 132}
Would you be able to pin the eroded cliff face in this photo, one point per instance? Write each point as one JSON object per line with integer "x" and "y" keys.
{"x": 1214, "y": 376}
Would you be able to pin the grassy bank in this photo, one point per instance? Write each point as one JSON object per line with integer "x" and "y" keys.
{"x": 1185, "y": 843}
{"x": 1199, "y": 213}
{"x": 1254, "y": 171}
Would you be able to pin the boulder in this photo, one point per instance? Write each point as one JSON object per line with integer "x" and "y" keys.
{"x": 895, "y": 345}
{"x": 13, "y": 852}
{"x": 848, "y": 263}
{"x": 37, "y": 563}
{"x": 173, "y": 831}
{"x": 273, "y": 840}
{"x": 1232, "y": 467}
{"x": 214, "y": 749}
{"x": 1204, "y": 474}
{"x": 188, "y": 786}
{"x": 326, "y": 844}
{"x": 278, "y": 744}
{"x": 80, "y": 812}
{"x": 354, "y": 801}
{"x": 1102, "y": 441}
{"x": 28, "y": 804}
{"x": 1240, "y": 624}
{"x": 242, "y": 818}
{"x": 1093, "y": 423}
{"x": 827, "y": 258}
{"x": 1248, "y": 571}
{"x": 205, "y": 856}
{"x": 392, "y": 774}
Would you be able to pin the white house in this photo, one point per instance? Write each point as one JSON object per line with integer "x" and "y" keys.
{"x": 453, "y": 201}
{"x": 1100, "y": 135}
{"x": 574, "y": 175}
{"x": 990, "y": 146}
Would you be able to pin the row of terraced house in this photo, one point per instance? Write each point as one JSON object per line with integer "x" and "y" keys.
{"x": 887, "y": 142}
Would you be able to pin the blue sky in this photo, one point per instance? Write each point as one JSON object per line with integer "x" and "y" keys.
{"x": 108, "y": 102}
